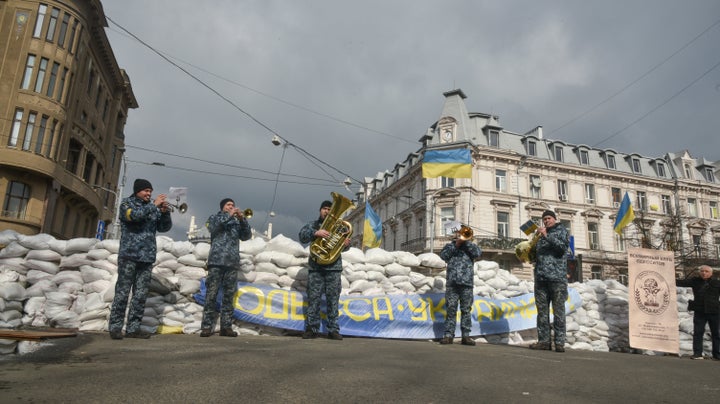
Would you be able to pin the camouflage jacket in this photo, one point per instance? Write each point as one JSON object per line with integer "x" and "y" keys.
{"x": 306, "y": 236}
{"x": 225, "y": 234}
{"x": 460, "y": 262}
{"x": 140, "y": 221}
{"x": 551, "y": 253}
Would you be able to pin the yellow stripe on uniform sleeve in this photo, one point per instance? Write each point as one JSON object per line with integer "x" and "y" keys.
{"x": 127, "y": 214}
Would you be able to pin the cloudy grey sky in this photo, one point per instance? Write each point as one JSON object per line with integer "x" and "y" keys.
{"x": 356, "y": 84}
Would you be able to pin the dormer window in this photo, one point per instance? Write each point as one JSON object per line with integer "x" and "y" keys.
{"x": 532, "y": 148}
{"x": 661, "y": 169}
{"x": 611, "y": 162}
{"x": 584, "y": 157}
{"x": 688, "y": 172}
{"x": 637, "y": 169}
{"x": 494, "y": 138}
{"x": 709, "y": 175}
{"x": 559, "y": 154}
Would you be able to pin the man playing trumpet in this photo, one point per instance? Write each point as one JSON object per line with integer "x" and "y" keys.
{"x": 460, "y": 256}
{"x": 226, "y": 228}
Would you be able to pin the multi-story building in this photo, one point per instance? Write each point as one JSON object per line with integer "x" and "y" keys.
{"x": 62, "y": 114}
{"x": 516, "y": 176}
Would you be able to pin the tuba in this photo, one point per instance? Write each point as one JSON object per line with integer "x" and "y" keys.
{"x": 525, "y": 250}
{"x": 326, "y": 250}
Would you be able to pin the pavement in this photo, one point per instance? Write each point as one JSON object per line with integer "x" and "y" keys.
{"x": 92, "y": 368}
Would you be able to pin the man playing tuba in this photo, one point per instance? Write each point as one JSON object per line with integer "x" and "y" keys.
{"x": 323, "y": 278}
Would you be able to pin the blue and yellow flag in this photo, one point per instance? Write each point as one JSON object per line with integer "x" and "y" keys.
{"x": 453, "y": 163}
{"x": 625, "y": 215}
{"x": 372, "y": 231}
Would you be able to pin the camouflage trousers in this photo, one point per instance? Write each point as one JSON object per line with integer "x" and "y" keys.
{"x": 453, "y": 294}
{"x": 328, "y": 283}
{"x": 133, "y": 277}
{"x": 219, "y": 277}
{"x": 547, "y": 292}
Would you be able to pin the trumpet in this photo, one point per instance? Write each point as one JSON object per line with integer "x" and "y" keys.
{"x": 247, "y": 213}
{"x": 182, "y": 208}
{"x": 465, "y": 233}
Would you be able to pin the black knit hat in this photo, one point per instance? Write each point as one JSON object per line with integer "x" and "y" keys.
{"x": 141, "y": 184}
{"x": 549, "y": 213}
{"x": 325, "y": 204}
{"x": 224, "y": 201}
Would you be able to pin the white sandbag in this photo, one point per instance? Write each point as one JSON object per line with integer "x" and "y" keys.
{"x": 14, "y": 263}
{"x": 112, "y": 245}
{"x": 201, "y": 251}
{"x": 398, "y": 278}
{"x": 395, "y": 269}
{"x": 253, "y": 246}
{"x": 285, "y": 281}
{"x": 431, "y": 260}
{"x": 286, "y": 245}
{"x": 74, "y": 260}
{"x": 88, "y": 315}
{"x": 164, "y": 272}
{"x": 180, "y": 248}
{"x": 379, "y": 256}
{"x": 67, "y": 276}
{"x": 190, "y": 260}
{"x": 98, "y": 286}
{"x": 65, "y": 319}
{"x": 58, "y": 246}
{"x": 8, "y": 236}
{"x": 264, "y": 256}
{"x": 80, "y": 245}
{"x": 299, "y": 272}
{"x": 43, "y": 255}
{"x": 188, "y": 272}
{"x": 34, "y": 305}
{"x": 70, "y": 287}
{"x": 375, "y": 276}
{"x": 35, "y": 241}
{"x": 405, "y": 258}
{"x": 39, "y": 288}
{"x": 419, "y": 280}
{"x": 94, "y": 301}
{"x": 45, "y": 266}
{"x": 353, "y": 255}
{"x": 485, "y": 274}
{"x": 172, "y": 264}
{"x": 268, "y": 267}
{"x": 15, "y": 323}
{"x": 405, "y": 287}
{"x": 266, "y": 278}
{"x": 353, "y": 276}
{"x": 91, "y": 273}
{"x": 13, "y": 250}
{"x": 247, "y": 276}
{"x": 283, "y": 259}
{"x": 188, "y": 286}
{"x": 34, "y": 276}
{"x": 361, "y": 285}
{"x": 98, "y": 324}
{"x": 370, "y": 267}
{"x": 8, "y": 275}
{"x": 497, "y": 283}
{"x": 483, "y": 265}
{"x": 9, "y": 315}
{"x": 98, "y": 254}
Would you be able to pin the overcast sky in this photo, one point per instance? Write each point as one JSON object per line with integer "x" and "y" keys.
{"x": 356, "y": 84}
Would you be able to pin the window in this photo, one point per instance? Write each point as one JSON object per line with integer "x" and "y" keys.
{"x": 500, "y": 181}
{"x": 503, "y": 224}
{"x": 619, "y": 242}
{"x": 91, "y": 79}
{"x": 27, "y": 77}
{"x": 535, "y": 185}
{"x": 593, "y": 238}
{"x": 709, "y": 174}
{"x": 559, "y": 154}
{"x": 73, "y": 157}
{"x": 713, "y": 210}
{"x": 16, "y": 200}
{"x": 53, "y": 79}
{"x": 661, "y": 169}
{"x": 611, "y": 162}
{"x": 688, "y": 171}
{"x": 41, "y": 74}
{"x": 494, "y": 138}
{"x": 54, "y": 14}
{"x": 447, "y": 214}
{"x": 637, "y": 169}
{"x": 71, "y": 40}
{"x": 692, "y": 207}
{"x": 641, "y": 200}
{"x": 29, "y": 129}
{"x": 51, "y": 138}
{"x": 562, "y": 190}
{"x": 15, "y": 131}
{"x": 665, "y": 201}
{"x": 40, "y": 20}
{"x": 107, "y": 105}
{"x": 41, "y": 134}
{"x": 616, "y": 197}
{"x": 61, "y": 85}
{"x": 696, "y": 244}
{"x": 63, "y": 30}
{"x": 623, "y": 276}
{"x": 596, "y": 272}
{"x": 584, "y": 157}
{"x": 590, "y": 193}
{"x": 532, "y": 148}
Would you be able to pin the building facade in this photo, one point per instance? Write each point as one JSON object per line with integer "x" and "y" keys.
{"x": 62, "y": 115}
{"x": 516, "y": 176}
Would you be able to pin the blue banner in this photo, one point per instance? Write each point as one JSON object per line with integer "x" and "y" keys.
{"x": 414, "y": 316}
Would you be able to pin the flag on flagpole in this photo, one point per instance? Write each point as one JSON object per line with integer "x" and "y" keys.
{"x": 372, "y": 231}
{"x": 625, "y": 215}
{"x": 453, "y": 163}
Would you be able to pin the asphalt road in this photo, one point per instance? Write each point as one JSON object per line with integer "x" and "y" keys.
{"x": 92, "y": 368}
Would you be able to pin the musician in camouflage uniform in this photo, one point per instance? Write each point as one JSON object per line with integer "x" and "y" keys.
{"x": 460, "y": 256}
{"x": 227, "y": 228}
{"x": 140, "y": 218}
{"x": 322, "y": 279}
{"x": 551, "y": 281}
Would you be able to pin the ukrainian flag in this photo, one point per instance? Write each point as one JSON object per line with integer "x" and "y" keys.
{"x": 453, "y": 163}
{"x": 625, "y": 215}
{"x": 372, "y": 231}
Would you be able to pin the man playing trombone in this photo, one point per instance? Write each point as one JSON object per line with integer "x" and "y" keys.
{"x": 460, "y": 256}
{"x": 227, "y": 228}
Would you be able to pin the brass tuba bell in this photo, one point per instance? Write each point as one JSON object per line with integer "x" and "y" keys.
{"x": 326, "y": 250}
{"x": 525, "y": 251}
